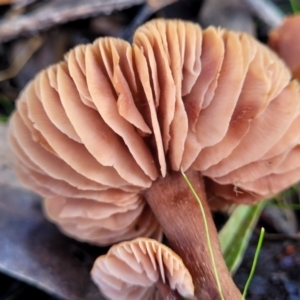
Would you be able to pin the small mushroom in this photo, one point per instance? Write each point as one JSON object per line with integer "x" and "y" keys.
{"x": 142, "y": 269}
{"x": 285, "y": 40}
{"x": 114, "y": 117}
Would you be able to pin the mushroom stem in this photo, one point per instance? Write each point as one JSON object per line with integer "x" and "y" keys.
{"x": 165, "y": 291}
{"x": 182, "y": 221}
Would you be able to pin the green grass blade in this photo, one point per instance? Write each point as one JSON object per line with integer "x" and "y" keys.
{"x": 207, "y": 235}
{"x": 3, "y": 119}
{"x": 6, "y": 107}
{"x": 258, "y": 248}
{"x": 235, "y": 234}
{"x": 295, "y": 4}
{"x": 6, "y": 104}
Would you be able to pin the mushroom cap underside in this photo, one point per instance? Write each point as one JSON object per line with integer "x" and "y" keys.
{"x": 110, "y": 119}
{"x": 131, "y": 269}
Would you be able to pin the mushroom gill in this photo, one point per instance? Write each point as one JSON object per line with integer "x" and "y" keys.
{"x": 127, "y": 118}
{"x": 80, "y": 218}
{"x": 135, "y": 269}
{"x": 119, "y": 116}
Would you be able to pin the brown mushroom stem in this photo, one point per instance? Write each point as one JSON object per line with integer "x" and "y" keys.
{"x": 165, "y": 291}
{"x": 180, "y": 216}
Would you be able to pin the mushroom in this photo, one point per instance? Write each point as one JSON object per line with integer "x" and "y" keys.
{"x": 285, "y": 40}
{"x": 114, "y": 117}
{"x": 62, "y": 182}
{"x": 151, "y": 269}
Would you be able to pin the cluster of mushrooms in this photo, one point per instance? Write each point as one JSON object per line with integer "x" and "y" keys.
{"x": 104, "y": 134}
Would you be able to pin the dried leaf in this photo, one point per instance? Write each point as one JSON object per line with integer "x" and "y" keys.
{"x": 235, "y": 235}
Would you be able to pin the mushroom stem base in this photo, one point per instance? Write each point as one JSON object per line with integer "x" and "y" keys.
{"x": 180, "y": 216}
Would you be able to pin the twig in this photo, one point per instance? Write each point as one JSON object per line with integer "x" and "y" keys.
{"x": 58, "y": 12}
{"x": 266, "y": 11}
{"x": 29, "y": 49}
{"x": 231, "y": 14}
{"x": 280, "y": 236}
{"x": 5, "y": 2}
{"x": 143, "y": 15}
